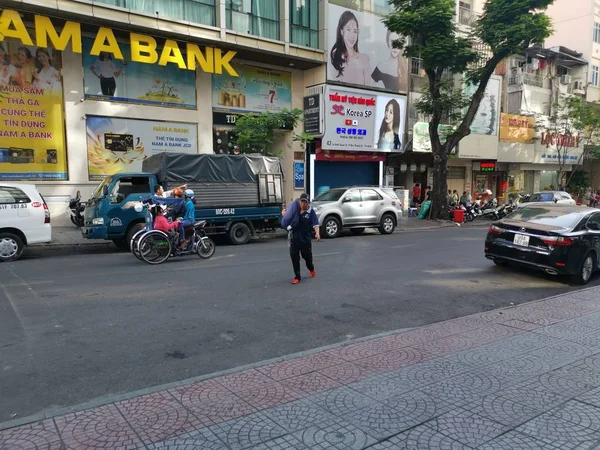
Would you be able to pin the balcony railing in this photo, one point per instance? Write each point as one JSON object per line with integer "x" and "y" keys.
{"x": 416, "y": 66}
{"x": 466, "y": 16}
{"x": 528, "y": 79}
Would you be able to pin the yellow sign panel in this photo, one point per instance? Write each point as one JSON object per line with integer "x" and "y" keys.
{"x": 515, "y": 128}
{"x": 144, "y": 48}
{"x": 32, "y": 138}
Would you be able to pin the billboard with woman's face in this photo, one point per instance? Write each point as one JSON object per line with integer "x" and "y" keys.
{"x": 361, "y": 53}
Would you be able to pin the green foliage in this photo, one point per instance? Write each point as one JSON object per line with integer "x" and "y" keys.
{"x": 256, "y": 133}
{"x": 578, "y": 183}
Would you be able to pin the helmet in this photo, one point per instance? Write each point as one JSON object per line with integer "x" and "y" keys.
{"x": 189, "y": 193}
{"x": 178, "y": 192}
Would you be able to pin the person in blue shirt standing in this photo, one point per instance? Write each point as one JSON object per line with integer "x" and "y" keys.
{"x": 301, "y": 221}
{"x": 189, "y": 218}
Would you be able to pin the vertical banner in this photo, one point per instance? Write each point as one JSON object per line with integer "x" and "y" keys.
{"x": 298, "y": 175}
{"x": 120, "y": 145}
{"x": 32, "y": 137}
{"x": 486, "y": 119}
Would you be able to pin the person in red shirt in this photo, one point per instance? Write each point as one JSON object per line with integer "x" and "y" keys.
{"x": 160, "y": 221}
{"x": 416, "y": 193}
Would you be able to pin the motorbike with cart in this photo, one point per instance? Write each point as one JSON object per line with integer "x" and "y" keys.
{"x": 156, "y": 246}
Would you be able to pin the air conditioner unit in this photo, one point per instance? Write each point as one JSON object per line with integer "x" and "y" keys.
{"x": 578, "y": 87}
{"x": 565, "y": 79}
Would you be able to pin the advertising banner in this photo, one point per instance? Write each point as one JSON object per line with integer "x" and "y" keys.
{"x": 335, "y": 155}
{"x": 486, "y": 118}
{"x": 313, "y": 114}
{"x": 32, "y": 136}
{"x": 357, "y": 120}
{"x": 108, "y": 78}
{"x": 120, "y": 145}
{"x": 256, "y": 89}
{"x": 421, "y": 138}
{"x": 518, "y": 129}
{"x": 360, "y": 51}
{"x": 298, "y": 175}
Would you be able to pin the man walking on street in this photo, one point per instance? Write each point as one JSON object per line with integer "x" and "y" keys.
{"x": 300, "y": 220}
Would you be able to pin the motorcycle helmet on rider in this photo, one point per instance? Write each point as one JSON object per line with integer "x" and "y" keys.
{"x": 189, "y": 193}
{"x": 177, "y": 192}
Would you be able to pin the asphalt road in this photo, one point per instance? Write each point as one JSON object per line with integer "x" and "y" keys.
{"x": 75, "y": 327}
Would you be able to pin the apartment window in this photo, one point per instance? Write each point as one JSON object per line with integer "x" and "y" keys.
{"x": 304, "y": 22}
{"x": 597, "y": 32}
{"x": 196, "y": 11}
{"x": 595, "y": 75}
{"x": 257, "y": 17}
{"x": 416, "y": 66}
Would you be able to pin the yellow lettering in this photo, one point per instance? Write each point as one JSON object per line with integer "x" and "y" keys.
{"x": 106, "y": 42}
{"x": 171, "y": 54}
{"x": 143, "y": 48}
{"x": 195, "y": 55}
{"x": 11, "y": 26}
{"x": 224, "y": 62}
{"x": 71, "y": 32}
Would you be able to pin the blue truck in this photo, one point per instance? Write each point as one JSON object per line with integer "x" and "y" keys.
{"x": 239, "y": 195}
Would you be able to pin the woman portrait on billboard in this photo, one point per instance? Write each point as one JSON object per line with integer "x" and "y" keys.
{"x": 389, "y": 138}
{"x": 347, "y": 64}
{"x": 107, "y": 72}
{"x": 392, "y": 72}
{"x": 48, "y": 78}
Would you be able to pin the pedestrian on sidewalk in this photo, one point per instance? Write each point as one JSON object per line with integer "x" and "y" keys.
{"x": 417, "y": 194}
{"x": 300, "y": 220}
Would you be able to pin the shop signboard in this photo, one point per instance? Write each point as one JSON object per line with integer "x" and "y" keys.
{"x": 357, "y": 120}
{"x": 108, "y": 78}
{"x": 116, "y": 145}
{"x": 298, "y": 174}
{"x": 553, "y": 147}
{"x": 341, "y": 156}
{"x": 256, "y": 89}
{"x": 421, "y": 138}
{"x": 145, "y": 48}
{"x": 361, "y": 36}
{"x": 487, "y": 166}
{"x": 32, "y": 136}
{"x": 313, "y": 114}
{"x": 517, "y": 129}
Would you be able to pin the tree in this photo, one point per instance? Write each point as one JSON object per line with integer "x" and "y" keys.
{"x": 256, "y": 133}
{"x": 430, "y": 32}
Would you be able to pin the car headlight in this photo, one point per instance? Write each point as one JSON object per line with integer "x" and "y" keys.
{"x": 98, "y": 221}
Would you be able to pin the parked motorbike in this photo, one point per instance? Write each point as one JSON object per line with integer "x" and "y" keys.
{"x": 489, "y": 210}
{"x": 77, "y": 206}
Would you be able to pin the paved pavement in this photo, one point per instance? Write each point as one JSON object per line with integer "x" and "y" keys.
{"x": 71, "y": 236}
{"x": 525, "y": 377}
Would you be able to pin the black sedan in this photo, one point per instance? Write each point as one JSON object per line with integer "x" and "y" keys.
{"x": 558, "y": 239}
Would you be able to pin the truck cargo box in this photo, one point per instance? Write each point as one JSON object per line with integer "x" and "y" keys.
{"x": 221, "y": 180}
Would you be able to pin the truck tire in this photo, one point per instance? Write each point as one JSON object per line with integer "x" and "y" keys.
{"x": 121, "y": 244}
{"x": 239, "y": 233}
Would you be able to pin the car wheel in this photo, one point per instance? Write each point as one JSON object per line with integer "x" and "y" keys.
{"x": 357, "y": 231}
{"x": 239, "y": 233}
{"x": 332, "y": 227}
{"x": 586, "y": 270}
{"x": 387, "y": 225}
{"x": 11, "y": 247}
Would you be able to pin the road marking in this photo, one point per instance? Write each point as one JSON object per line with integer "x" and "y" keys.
{"x": 404, "y": 246}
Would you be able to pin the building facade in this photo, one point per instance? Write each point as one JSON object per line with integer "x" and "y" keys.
{"x": 92, "y": 88}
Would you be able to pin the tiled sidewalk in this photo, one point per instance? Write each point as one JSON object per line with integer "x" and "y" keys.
{"x": 526, "y": 377}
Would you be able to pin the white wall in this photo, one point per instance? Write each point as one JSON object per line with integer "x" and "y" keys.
{"x": 573, "y": 23}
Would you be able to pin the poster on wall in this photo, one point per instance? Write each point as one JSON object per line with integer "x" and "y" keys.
{"x": 298, "y": 174}
{"x": 117, "y": 145}
{"x": 32, "y": 136}
{"x": 358, "y": 120}
{"x": 518, "y": 129}
{"x": 106, "y": 78}
{"x": 360, "y": 51}
{"x": 257, "y": 89}
{"x": 422, "y": 140}
{"x": 486, "y": 118}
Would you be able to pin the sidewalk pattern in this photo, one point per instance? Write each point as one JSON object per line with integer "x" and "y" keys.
{"x": 526, "y": 377}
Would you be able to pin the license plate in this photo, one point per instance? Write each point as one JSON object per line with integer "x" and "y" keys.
{"x": 521, "y": 240}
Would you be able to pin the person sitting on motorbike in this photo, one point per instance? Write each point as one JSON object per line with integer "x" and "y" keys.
{"x": 160, "y": 222}
{"x": 177, "y": 211}
{"x": 188, "y": 218}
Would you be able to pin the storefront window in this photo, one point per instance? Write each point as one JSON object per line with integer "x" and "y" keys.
{"x": 257, "y": 17}
{"x": 196, "y": 11}
{"x": 304, "y": 22}
{"x": 548, "y": 180}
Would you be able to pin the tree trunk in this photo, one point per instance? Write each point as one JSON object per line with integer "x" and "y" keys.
{"x": 439, "y": 192}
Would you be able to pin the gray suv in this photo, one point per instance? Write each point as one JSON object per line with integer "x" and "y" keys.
{"x": 357, "y": 208}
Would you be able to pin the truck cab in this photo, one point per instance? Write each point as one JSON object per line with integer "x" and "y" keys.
{"x": 110, "y": 214}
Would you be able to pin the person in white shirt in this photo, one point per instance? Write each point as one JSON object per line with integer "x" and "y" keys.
{"x": 160, "y": 192}
{"x": 106, "y": 70}
{"x": 48, "y": 78}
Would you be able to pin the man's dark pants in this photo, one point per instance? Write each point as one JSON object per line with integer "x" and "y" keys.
{"x": 304, "y": 249}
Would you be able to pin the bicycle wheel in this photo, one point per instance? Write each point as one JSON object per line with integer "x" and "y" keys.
{"x": 205, "y": 248}
{"x": 134, "y": 244}
{"x": 155, "y": 247}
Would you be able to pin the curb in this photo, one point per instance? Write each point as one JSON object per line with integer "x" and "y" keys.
{"x": 102, "y": 401}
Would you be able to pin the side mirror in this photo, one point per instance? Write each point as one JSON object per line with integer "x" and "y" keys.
{"x": 347, "y": 199}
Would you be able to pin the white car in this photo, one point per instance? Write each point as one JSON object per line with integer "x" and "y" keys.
{"x": 24, "y": 219}
{"x": 558, "y": 197}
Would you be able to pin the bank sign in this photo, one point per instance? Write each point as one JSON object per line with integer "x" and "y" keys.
{"x": 357, "y": 120}
{"x": 144, "y": 48}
